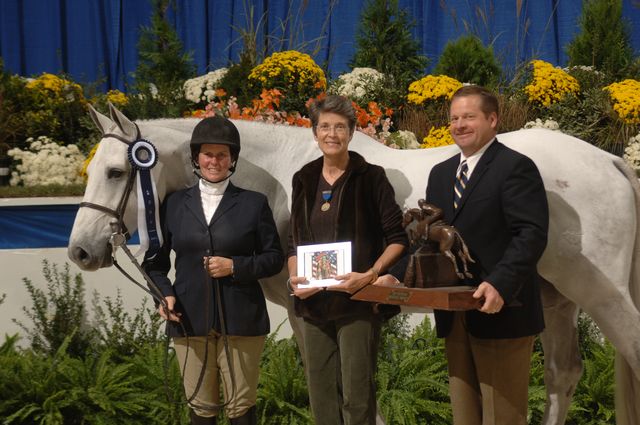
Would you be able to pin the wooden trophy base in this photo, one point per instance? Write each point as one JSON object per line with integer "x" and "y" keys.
{"x": 454, "y": 298}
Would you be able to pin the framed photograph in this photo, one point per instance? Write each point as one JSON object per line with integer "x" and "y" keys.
{"x": 320, "y": 263}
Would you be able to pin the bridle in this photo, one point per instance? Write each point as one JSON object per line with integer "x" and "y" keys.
{"x": 118, "y": 228}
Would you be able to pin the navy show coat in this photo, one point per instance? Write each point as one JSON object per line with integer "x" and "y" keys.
{"x": 243, "y": 229}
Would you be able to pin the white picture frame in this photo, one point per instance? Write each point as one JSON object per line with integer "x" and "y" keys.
{"x": 320, "y": 263}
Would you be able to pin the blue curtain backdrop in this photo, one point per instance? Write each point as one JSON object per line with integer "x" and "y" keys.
{"x": 96, "y": 39}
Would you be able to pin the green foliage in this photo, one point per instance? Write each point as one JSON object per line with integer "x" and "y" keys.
{"x": 469, "y": 61}
{"x": 282, "y": 391}
{"x": 385, "y": 43}
{"x": 125, "y": 334}
{"x": 604, "y": 40}
{"x": 235, "y": 81}
{"x": 593, "y": 402}
{"x": 126, "y": 375}
{"x": 63, "y": 389}
{"x": 412, "y": 375}
{"x": 57, "y": 314}
{"x": 162, "y": 69}
{"x": 47, "y": 106}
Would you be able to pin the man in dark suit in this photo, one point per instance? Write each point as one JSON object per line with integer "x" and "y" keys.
{"x": 495, "y": 197}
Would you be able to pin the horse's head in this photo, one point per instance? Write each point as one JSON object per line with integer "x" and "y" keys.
{"x": 110, "y": 199}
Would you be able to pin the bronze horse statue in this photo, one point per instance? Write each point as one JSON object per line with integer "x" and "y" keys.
{"x": 424, "y": 225}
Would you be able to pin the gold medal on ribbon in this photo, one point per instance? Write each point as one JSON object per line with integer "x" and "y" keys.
{"x": 326, "y": 196}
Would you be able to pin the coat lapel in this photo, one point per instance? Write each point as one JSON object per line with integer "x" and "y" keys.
{"x": 452, "y": 167}
{"x": 193, "y": 203}
{"x": 229, "y": 199}
{"x": 482, "y": 166}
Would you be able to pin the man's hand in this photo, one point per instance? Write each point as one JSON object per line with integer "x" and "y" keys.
{"x": 493, "y": 301}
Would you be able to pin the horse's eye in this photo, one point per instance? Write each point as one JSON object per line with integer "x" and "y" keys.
{"x": 114, "y": 173}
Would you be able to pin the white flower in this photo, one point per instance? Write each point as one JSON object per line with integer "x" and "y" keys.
{"x": 46, "y": 162}
{"x": 549, "y": 124}
{"x": 203, "y": 88}
{"x": 632, "y": 152}
{"x": 584, "y": 68}
{"x": 403, "y": 139}
{"x": 357, "y": 84}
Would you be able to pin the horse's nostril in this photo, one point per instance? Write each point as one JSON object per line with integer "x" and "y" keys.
{"x": 80, "y": 254}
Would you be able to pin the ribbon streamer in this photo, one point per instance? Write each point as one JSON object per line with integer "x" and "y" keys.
{"x": 143, "y": 156}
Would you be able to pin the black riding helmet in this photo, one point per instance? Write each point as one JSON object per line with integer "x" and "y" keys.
{"x": 215, "y": 130}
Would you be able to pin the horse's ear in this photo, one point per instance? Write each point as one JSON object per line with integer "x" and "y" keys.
{"x": 125, "y": 125}
{"x": 101, "y": 121}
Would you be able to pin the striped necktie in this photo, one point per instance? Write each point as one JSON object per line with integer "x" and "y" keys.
{"x": 461, "y": 184}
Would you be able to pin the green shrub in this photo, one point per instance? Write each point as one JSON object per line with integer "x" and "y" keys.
{"x": 49, "y": 105}
{"x": 64, "y": 389}
{"x": 469, "y": 61}
{"x": 57, "y": 314}
{"x": 604, "y": 40}
{"x": 412, "y": 375}
{"x": 385, "y": 43}
{"x": 235, "y": 81}
{"x": 282, "y": 391}
{"x": 121, "y": 332}
{"x": 162, "y": 69}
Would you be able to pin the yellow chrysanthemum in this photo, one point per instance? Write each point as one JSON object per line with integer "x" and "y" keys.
{"x": 440, "y": 136}
{"x": 290, "y": 68}
{"x": 626, "y": 100}
{"x": 117, "y": 97}
{"x": 549, "y": 84}
{"x": 52, "y": 85}
{"x": 432, "y": 87}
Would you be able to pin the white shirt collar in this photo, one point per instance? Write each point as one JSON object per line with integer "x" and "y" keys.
{"x": 472, "y": 160}
{"x": 209, "y": 188}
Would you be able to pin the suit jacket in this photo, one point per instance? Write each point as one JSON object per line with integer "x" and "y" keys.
{"x": 503, "y": 217}
{"x": 242, "y": 229}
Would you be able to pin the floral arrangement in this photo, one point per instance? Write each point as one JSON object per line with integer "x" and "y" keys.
{"x": 549, "y": 84}
{"x": 358, "y": 85}
{"x": 373, "y": 121}
{"x": 289, "y": 69}
{"x": 626, "y": 100}
{"x": 549, "y": 124}
{"x": 46, "y": 163}
{"x": 632, "y": 153}
{"x": 402, "y": 139}
{"x": 295, "y": 74}
{"x": 204, "y": 88}
{"x": 56, "y": 89}
{"x": 437, "y": 137}
{"x": 117, "y": 98}
{"x": 432, "y": 88}
{"x": 265, "y": 109}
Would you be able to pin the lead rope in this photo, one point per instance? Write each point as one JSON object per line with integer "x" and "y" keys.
{"x": 118, "y": 240}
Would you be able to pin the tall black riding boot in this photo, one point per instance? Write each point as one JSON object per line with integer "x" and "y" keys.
{"x": 249, "y": 418}
{"x": 200, "y": 420}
